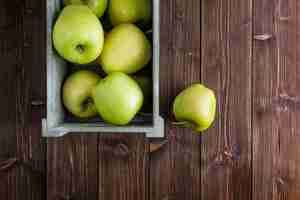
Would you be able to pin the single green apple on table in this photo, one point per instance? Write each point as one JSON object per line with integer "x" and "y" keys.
{"x": 126, "y": 49}
{"x": 130, "y": 11}
{"x": 118, "y": 98}
{"x": 77, "y": 93}
{"x": 97, "y": 6}
{"x": 78, "y": 34}
{"x": 196, "y": 107}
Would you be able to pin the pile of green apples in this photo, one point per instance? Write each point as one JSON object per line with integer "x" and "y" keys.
{"x": 121, "y": 50}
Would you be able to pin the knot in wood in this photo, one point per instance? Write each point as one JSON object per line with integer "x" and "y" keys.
{"x": 285, "y": 103}
{"x": 232, "y": 154}
{"x": 121, "y": 150}
{"x": 282, "y": 183}
{"x": 263, "y": 37}
{"x": 8, "y": 164}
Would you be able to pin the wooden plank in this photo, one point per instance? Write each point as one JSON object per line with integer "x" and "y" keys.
{"x": 123, "y": 167}
{"x": 226, "y": 67}
{"x": 8, "y": 52}
{"x": 288, "y": 160}
{"x": 276, "y": 140}
{"x": 175, "y": 169}
{"x": 265, "y": 89}
{"x": 30, "y": 81}
{"x": 72, "y": 168}
{"x": 22, "y": 59}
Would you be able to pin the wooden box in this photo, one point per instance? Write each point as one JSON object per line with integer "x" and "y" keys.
{"x": 58, "y": 124}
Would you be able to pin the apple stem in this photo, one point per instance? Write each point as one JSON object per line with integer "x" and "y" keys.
{"x": 80, "y": 48}
{"x": 149, "y": 31}
{"x": 179, "y": 123}
{"x": 144, "y": 114}
{"x": 87, "y": 103}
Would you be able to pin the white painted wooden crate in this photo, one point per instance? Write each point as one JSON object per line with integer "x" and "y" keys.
{"x": 56, "y": 124}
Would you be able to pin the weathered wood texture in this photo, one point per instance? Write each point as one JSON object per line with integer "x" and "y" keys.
{"x": 72, "y": 168}
{"x": 8, "y": 53}
{"x": 123, "y": 167}
{"x": 288, "y": 163}
{"x": 22, "y": 84}
{"x": 276, "y": 172}
{"x": 247, "y": 51}
{"x": 265, "y": 89}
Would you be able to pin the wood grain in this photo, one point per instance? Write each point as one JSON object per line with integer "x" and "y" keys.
{"x": 226, "y": 67}
{"x": 288, "y": 160}
{"x": 8, "y": 52}
{"x": 72, "y": 168}
{"x": 30, "y": 80}
{"x": 247, "y": 51}
{"x": 23, "y": 59}
{"x": 265, "y": 90}
{"x": 276, "y": 144}
{"x": 123, "y": 167}
{"x": 175, "y": 169}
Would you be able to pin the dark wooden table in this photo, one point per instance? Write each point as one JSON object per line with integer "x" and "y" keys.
{"x": 248, "y": 51}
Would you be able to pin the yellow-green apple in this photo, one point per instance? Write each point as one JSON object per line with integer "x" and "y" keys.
{"x": 196, "y": 107}
{"x": 126, "y": 49}
{"x": 78, "y": 34}
{"x": 130, "y": 11}
{"x": 77, "y": 93}
{"x": 118, "y": 98}
{"x": 145, "y": 84}
{"x": 97, "y": 6}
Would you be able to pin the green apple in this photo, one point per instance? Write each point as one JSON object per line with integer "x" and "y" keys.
{"x": 118, "y": 98}
{"x": 145, "y": 84}
{"x": 97, "y": 6}
{"x": 126, "y": 49}
{"x": 77, "y": 93}
{"x": 78, "y": 34}
{"x": 195, "y": 106}
{"x": 130, "y": 11}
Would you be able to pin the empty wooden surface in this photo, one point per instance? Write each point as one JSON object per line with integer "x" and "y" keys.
{"x": 248, "y": 51}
